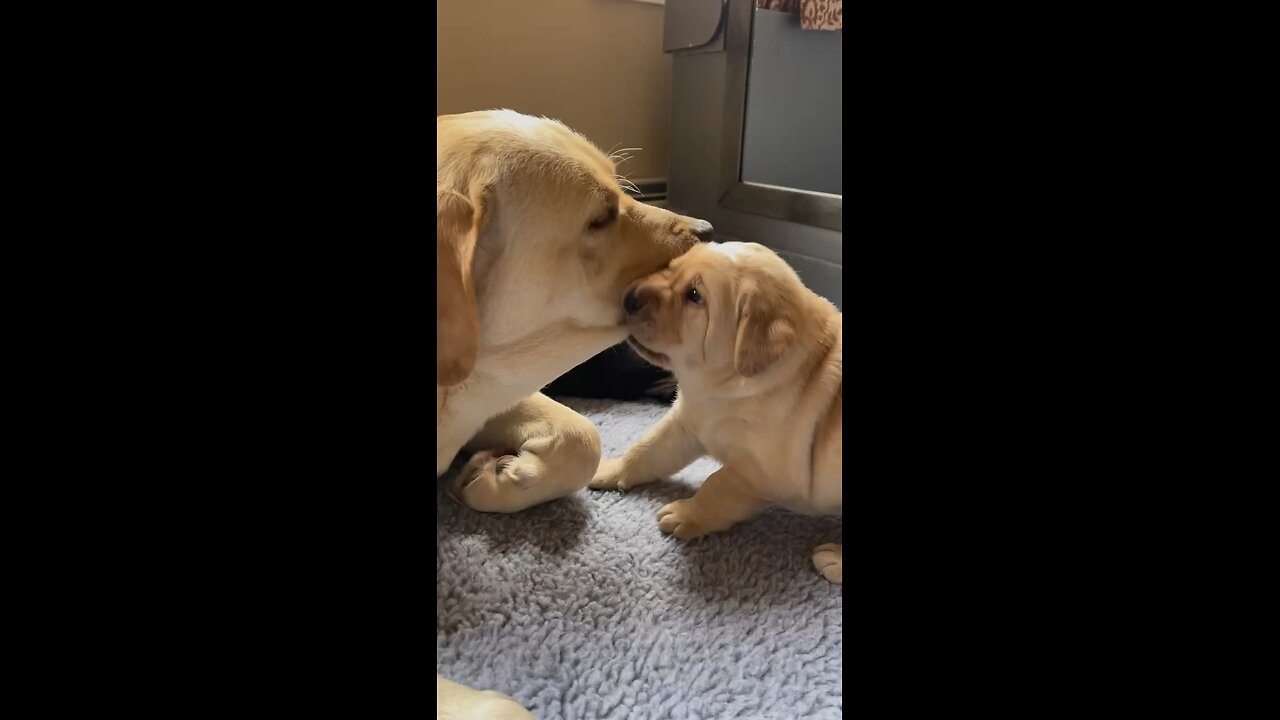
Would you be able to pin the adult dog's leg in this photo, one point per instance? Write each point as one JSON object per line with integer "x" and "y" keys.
{"x": 537, "y": 451}
{"x": 459, "y": 702}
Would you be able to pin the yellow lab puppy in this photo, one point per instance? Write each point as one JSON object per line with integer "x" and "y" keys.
{"x": 535, "y": 245}
{"x": 758, "y": 359}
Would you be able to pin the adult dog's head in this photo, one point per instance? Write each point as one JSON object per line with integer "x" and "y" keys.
{"x": 536, "y": 242}
{"x": 722, "y": 313}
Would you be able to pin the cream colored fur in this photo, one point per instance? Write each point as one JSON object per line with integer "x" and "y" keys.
{"x": 459, "y": 702}
{"x": 535, "y": 245}
{"x": 758, "y": 357}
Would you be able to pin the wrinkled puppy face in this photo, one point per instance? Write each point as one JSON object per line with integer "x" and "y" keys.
{"x": 719, "y": 310}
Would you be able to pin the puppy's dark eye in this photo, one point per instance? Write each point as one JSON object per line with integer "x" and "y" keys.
{"x": 693, "y": 296}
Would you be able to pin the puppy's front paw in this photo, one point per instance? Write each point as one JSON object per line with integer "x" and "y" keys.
{"x": 611, "y": 475}
{"x": 828, "y": 558}
{"x": 490, "y": 482}
{"x": 680, "y": 519}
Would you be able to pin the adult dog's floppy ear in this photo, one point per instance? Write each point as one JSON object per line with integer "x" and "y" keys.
{"x": 457, "y": 315}
{"x": 765, "y": 330}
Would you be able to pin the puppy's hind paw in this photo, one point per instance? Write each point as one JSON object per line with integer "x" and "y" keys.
{"x": 828, "y": 558}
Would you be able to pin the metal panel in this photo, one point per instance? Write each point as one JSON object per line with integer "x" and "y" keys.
{"x": 794, "y": 133}
{"x": 694, "y": 185}
{"x": 693, "y": 26}
{"x": 800, "y": 206}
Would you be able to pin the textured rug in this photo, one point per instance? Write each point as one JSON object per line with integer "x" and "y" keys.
{"x": 583, "y": 609}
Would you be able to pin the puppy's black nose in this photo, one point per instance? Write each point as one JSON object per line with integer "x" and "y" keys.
{"x": 703, "y": 231}
{"x": 631, "y": 302}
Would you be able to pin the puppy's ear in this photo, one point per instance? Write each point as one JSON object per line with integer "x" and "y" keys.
{"x": 765, "y": 331}
{"x": 457, "y": 315}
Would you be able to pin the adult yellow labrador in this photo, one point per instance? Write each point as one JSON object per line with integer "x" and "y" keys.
{"x": 759, "y": 360}
{"x": 535, "y": 245}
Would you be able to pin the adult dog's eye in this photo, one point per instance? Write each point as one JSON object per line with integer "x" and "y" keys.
{"x": 610, "y": 215}
{"x": 693, "y": 296}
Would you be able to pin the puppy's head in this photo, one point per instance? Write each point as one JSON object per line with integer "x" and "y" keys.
{"x": 536, "y": 232}
{"x": 718, "y": 312}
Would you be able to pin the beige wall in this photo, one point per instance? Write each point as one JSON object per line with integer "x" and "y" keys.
{"x": 597, "y": 65}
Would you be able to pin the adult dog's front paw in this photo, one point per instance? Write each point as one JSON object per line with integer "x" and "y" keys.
{"x": 828, "y": 558}
{"x": 490, "y": 482}
{"x": 612, "y": 475}
{"x": 459, "y": 702}
{"x": 496, "y": 706}
{"x": 680, "y": 519}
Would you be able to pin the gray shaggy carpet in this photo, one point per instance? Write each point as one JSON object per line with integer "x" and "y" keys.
{"x": 582, "y": 608}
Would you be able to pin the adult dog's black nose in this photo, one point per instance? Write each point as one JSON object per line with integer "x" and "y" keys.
{"x": 703, "y": 231}
{"x": 631, "y": 302}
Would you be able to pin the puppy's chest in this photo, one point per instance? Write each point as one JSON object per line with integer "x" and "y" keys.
{"x": 735, "y": 442}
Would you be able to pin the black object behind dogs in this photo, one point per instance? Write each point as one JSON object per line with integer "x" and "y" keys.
{"x": 618, "y": 373}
